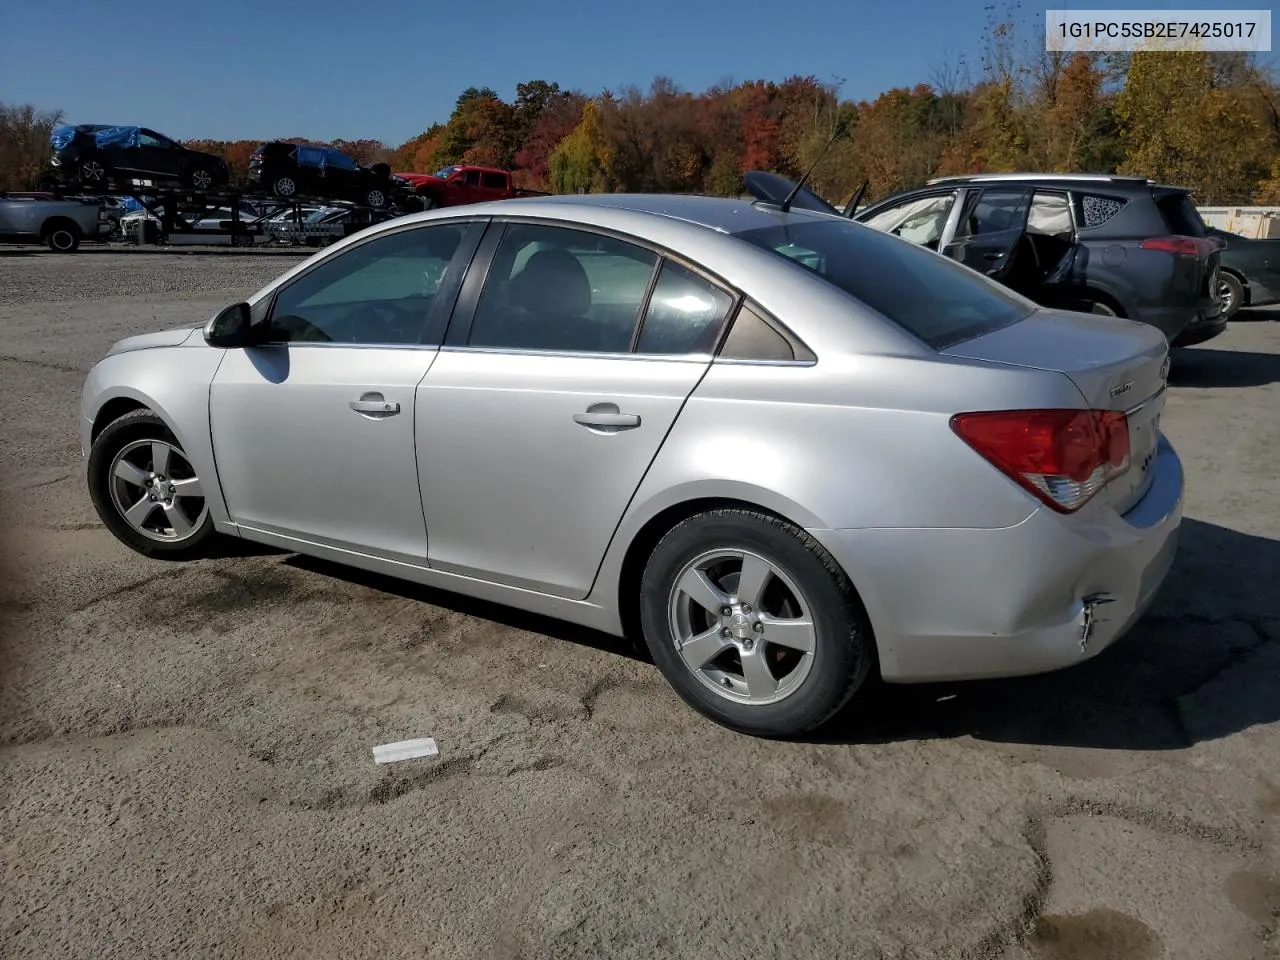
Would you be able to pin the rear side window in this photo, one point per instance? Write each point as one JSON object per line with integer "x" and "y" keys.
{"x": 930, "y": 296}
{"x": 495, "y": 181}
{"x": 1098, "y": 210}
{"x": 997, "y": 210}
{"x": 1180, "y": 214}
{"x": 685, "y": 313}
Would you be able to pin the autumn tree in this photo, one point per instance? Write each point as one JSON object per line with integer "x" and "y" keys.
{"x": 1178, "y": 126}
{"x": 24, "y": 144}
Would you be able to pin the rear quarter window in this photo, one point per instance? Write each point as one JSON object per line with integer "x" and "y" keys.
{"x": 930, "y": 296}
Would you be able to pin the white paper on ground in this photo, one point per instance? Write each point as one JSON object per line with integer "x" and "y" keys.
{"x": 405, "y": 750}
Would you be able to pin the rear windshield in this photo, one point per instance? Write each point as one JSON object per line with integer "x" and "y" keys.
{"x": 935, "y": 298}
{"x": 1180, "y": 214}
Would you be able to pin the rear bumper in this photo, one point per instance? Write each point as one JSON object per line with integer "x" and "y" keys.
{"x": 957, "y": 604}
{"x": 1200, "y": 330}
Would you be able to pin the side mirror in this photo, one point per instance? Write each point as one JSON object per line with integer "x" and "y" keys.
{"x": 229, "y": 327}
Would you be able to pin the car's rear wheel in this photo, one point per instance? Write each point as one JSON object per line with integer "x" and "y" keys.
{"x": 753, "y": 622}
{"x": 146, "y": 491}
{"x": 1230, "y": 293}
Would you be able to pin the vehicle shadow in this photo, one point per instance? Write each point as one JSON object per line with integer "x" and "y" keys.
{"x": 1257, "y": 314}
{"x": 1171, "y": 682}
{"x": 1207, "y": 368}
{"x": 1176, "y": 679}
{"x": 495, "y": 613}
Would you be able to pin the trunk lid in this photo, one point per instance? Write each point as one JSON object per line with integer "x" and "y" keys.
{"x": 1116, "y": 364}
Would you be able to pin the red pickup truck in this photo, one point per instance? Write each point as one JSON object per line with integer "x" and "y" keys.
{"x": 459, "y": 184}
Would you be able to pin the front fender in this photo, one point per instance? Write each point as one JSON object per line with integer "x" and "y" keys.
{"x": 173, "y": 383}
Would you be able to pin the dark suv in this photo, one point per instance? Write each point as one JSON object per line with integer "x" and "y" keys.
{"x": 1120, "y": 246}
{"x": 293, "y": 170}
{"x": 94, "y": 153}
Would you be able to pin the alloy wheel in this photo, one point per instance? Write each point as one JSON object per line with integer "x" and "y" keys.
{"x": 155, "y": 489}
{"x": 91, "y": 170}
{"x": 201, "y": 179}
{"x": 742, "y": 626}
{"x": 285, "y": 187}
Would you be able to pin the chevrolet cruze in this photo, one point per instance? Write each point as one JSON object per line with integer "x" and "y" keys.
{"x": 783, "y": 448}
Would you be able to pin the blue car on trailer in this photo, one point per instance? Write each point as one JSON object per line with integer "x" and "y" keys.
{"x": 294, "y": 170}
{"x": 92, "y": 154}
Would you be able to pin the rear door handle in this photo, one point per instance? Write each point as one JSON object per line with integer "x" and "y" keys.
{"x": 374, "y": 405}
{"x": 607, "y": 419}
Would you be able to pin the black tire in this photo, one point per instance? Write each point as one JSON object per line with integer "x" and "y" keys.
{"x": 844, "y": 650}
{"x": 429, "y": 202}
{"x": 131, "y": 429}
{"x": 376, "y": 197}
{"x": 62, "y": 236}
{"x": 1231, "y": 293}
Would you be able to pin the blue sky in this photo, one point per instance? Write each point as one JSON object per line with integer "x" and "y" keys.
{"x": 386, "y": 69}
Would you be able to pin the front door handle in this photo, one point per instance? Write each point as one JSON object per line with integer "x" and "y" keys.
{"x": 375, "y": 406}
{"x": 992, "y": 256}
{"x": 606, "y": 418}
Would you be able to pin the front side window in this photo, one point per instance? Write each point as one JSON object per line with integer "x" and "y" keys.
{"x": 471, "y": 178}
{"x": 149, "y": 139}
{"x": 563, "y": 290}
{"x": 920, "y": 220}
{"x": 932, "y": 297}
{"x": 380, "y": 291}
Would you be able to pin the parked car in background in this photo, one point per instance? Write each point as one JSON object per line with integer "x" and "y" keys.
{"x": 461, "y": 184}
{"x": 296, "y": 170}
{"x": 61, "y": 224}
{"x": 600, "y": 442}
{"x": 1117, "y": 246}
{"x": 93, "y": 154}
{"x": 1250, "y": 275}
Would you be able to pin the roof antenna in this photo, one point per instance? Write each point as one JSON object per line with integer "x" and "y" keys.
{"x": 786, "y": 204}
{"x": 852, "y": 207}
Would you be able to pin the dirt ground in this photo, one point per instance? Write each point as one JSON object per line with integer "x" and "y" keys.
{"x": 186, "y": 751}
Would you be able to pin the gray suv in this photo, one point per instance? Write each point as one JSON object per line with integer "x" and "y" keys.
{"x": 1118, "y": 246}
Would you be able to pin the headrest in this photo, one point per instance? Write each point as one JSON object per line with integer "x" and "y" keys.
{"x": 552, "y": 282}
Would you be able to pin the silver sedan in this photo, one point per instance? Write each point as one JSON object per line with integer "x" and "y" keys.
{"x": 785, "y": 449}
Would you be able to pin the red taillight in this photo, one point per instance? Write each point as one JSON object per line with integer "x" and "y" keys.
{"x": 1064, "y": 457}
{"x": 1180, "y": 246}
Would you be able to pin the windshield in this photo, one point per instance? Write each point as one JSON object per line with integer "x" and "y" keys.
{"x": 446, "y": 173}
{"x": 932, "y": 297}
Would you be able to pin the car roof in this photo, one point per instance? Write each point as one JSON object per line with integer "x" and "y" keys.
{"x": 722, "y": 214}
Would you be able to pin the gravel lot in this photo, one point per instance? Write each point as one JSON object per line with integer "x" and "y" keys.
{"x": 187, "y": 767}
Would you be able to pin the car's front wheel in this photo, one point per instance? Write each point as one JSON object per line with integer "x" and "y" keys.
{"x": 376, "y": 198}
{"x": 146, "y": 491}
{"x": 284, "y": 187}
{"x": 753, "y": 623}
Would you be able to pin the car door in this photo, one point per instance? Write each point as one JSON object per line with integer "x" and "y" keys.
{"x": 987, "y": 236}
{"x": 313, "y": 431}
{"x": 494, "y": 186}
{"x": 564, "y": 367}
{"x": 155, "y": 155}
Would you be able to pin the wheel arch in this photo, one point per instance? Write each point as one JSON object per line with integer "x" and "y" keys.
{"x": 60, "y": 222}
{"x": 621, "y": 578}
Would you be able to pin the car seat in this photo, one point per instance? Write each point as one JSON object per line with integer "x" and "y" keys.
{"x": 550, "y": 299}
